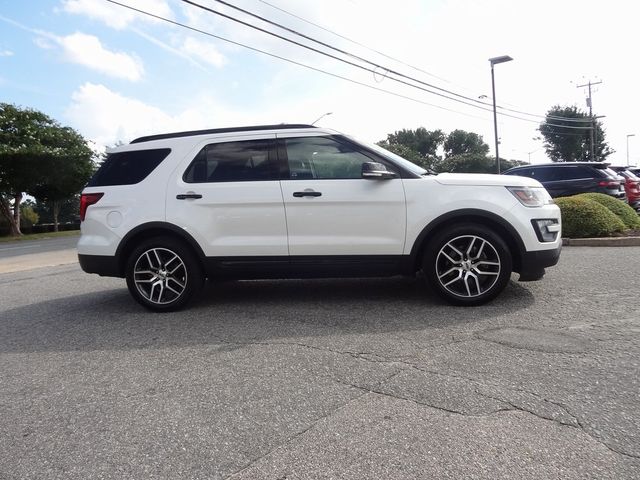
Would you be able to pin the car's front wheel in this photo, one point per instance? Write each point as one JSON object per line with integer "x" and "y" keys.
{"x": 467, "y": 264}
{"x": 163, "y": 274}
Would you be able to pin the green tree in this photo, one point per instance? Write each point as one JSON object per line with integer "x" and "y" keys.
{"x": 474, "y": 163}
{"x": 68, "y": 210}
{"x": 37, "y": 155}
{"x": 564, "y": 142}
{"x": 407, "y": 153}
{"x": 467, "y": 163}
{"x": 420, "y": 140}
{"x": 460, "y": 142}
{"x": 69, "y": 171}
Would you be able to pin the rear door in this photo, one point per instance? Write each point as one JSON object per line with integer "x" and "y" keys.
{"x": 330, "y": 209}
{"x": 226, "y": 194}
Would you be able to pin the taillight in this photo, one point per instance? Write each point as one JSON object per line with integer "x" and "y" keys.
{"x": 609, "y": 183}
{"x": 87, "y": 199}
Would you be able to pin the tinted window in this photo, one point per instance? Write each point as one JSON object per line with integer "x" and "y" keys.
{"x": 569, "y": 173}
{"x": 323, "y": 158}
{"x": 232, "y": 162}
{"x": 128, "y": 168}
{"x": 541, "y": 174}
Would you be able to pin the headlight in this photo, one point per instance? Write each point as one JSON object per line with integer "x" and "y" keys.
{"x": 531, "y": 196}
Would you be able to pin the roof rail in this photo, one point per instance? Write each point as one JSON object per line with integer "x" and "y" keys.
{"x": 191, "y": 133}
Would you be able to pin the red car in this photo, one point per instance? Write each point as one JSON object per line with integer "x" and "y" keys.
{"x": 631, "y": 186}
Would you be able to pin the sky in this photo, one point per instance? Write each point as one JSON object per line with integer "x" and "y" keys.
{"x": 114, "y": 74}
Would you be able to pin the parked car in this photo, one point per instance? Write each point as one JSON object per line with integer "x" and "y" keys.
{"x": 634, "y": 170}
{"x": 632, "y": 186}
{"x": 563, "y": 179}
{"x": 295, "y": 201}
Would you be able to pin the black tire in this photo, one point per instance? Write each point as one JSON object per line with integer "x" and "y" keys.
{"x": 163, "y": 274}
{"x": 467, "y": 264}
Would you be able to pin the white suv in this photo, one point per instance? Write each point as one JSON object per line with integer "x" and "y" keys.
{"x": 295, "y": 201}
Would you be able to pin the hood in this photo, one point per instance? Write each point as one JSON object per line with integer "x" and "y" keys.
{"x": 481, "y": 179}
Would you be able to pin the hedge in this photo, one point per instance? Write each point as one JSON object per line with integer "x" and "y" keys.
{"x": 627, "y": 214}
{"x": 584, "y": 217}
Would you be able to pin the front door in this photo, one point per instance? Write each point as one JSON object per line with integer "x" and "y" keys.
{"x": 330, "y": 209}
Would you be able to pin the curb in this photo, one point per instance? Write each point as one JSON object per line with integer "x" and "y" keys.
{"x": 602, "y": 242}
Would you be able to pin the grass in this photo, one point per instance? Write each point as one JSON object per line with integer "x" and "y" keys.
{"x": 40, "y": 236}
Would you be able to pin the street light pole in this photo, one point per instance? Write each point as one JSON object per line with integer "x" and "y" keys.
{"x": 494, "y": 61}
{"x": 321, "y": 117}
{"x": 629, "y": 135}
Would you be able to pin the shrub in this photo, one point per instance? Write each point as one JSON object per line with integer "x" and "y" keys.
{"x": 627, "y": 214}
{"x": 583, "y": 217}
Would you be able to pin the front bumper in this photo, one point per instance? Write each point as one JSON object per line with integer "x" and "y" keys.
{"x": 534, "y": 263}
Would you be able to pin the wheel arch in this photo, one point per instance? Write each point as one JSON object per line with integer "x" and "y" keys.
{"x": 150, "y": 230}
{"x": 469, "y": 215}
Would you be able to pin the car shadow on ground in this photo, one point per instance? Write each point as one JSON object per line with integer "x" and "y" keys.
{"x": 244, "y": 312}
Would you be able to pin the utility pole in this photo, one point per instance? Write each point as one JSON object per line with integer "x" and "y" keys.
{"x": 593, "y": 121}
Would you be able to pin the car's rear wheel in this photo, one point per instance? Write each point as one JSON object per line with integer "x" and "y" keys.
{"x": 163, "y": 274}
{"x": 467, "y": 264}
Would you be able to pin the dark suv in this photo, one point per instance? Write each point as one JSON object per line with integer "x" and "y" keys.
{"x": 563, "y": 179}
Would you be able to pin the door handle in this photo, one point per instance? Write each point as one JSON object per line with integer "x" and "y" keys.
{"x": 184, "y": 196}
{"x": 307, "y": 193}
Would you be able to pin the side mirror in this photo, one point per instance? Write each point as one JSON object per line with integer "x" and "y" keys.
{"x": 376, "y": 171}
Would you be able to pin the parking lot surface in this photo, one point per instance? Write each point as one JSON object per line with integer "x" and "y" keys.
{"x": 315, "y": 379}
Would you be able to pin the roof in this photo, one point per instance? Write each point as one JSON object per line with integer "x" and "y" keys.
{"x": 564, "y": 164}
{"x": 191, "y": 133}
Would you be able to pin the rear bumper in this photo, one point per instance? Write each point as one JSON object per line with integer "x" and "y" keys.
{"x": 103, "y": 265}
{"x": 534, "y": 263}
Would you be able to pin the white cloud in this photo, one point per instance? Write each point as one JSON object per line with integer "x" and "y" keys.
{"x": 87, "y": 50}
{"x": 105, "y": 116}
{"x": 203, "y": 51}
{"x": 6, "y": 53}
{"x": 116, "y": 16}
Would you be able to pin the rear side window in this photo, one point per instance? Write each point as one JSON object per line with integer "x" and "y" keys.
{"x": 128, "y": 168}
{"x": 570, "y": 173}
{"x": 244, "y": 161}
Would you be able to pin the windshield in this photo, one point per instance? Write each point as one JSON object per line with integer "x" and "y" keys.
{"x": 610, "y": 173}
{"x": 393, "y": 157}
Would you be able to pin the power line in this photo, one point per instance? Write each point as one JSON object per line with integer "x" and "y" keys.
{"x": 353, "y": 41}
{"x": 308, "y": 66}
{"x": 389, "y": 57}
{"x": 203, "y": 32}
{"x": 268, "y": 32}
{"x": 315, "y": 50}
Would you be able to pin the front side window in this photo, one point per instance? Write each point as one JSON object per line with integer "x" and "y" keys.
{"x": 244, "y": 161}
{"x": 323, "y": 158}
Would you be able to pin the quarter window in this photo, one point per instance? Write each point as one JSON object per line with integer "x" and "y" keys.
{"x": 245, "y": 161}
{"x": 323, "y": 158}
{"x": 128, "y": 168}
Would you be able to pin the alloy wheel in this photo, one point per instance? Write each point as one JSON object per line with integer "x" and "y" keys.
{"x": 160, "y": 276}
{"x": 468, "y": 266}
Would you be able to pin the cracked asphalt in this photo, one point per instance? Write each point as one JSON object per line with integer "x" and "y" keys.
{"x": 323, "y": 379}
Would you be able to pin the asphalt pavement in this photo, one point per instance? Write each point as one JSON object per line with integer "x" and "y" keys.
{"x": 24, "y": 255}
{"x": 323, "y": 379}
{"x": 30, "y": 247}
